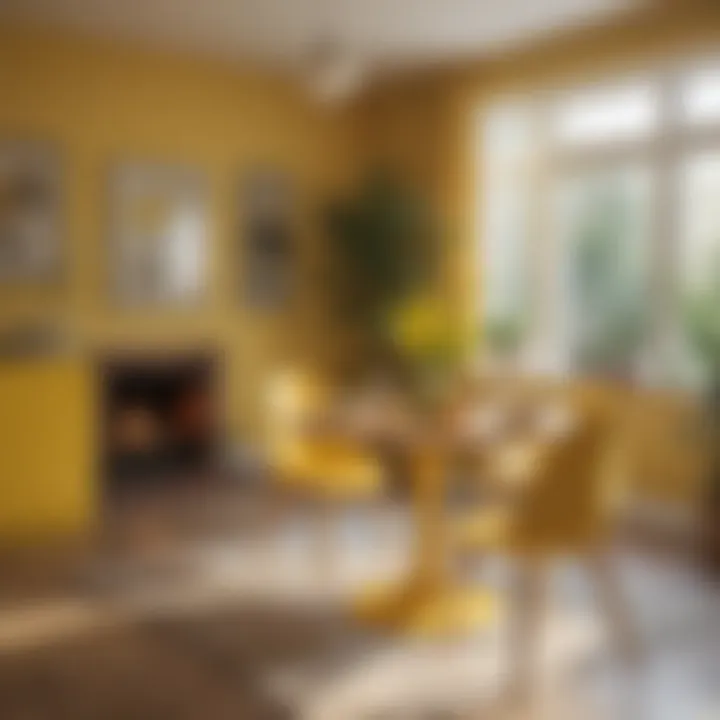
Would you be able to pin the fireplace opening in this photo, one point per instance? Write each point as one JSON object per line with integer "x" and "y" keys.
{"x": 160, "y": 418}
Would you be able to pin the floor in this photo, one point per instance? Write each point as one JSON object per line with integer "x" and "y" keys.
{"x": 193, "y": 606}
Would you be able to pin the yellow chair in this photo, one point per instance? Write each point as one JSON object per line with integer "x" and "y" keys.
{"x": 564, "y": 509}
{"x": 308, "y": 459}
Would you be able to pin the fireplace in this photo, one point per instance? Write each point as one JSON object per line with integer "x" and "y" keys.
{"x": 160, "y": 417}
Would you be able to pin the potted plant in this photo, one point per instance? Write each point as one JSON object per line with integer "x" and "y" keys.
{"x": 381, "y": 251}
{"x": 430, "y": 347}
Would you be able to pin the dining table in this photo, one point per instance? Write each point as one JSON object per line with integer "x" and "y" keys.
{"x": 430, "y": 599}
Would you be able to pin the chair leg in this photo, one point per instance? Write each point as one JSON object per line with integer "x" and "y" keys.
{"x": 528, "y": 610}
{"x": 614, "y": 605}
{"x": 285, "y": 507}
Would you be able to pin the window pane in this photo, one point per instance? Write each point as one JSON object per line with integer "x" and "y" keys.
{"x": 699, "y": 261}
{"x": 600, "y": 115}
{"x": 701, "y": 96}
{"x": 602, "y": 304}
{"x": 506, "y": 134}
{"x": 700, "y": 235}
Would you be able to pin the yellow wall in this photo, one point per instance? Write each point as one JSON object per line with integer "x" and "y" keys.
{"x": 100, "y": 103}
{"x": 103, "y": 103}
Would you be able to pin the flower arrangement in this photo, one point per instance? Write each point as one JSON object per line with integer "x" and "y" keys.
{"x": 429, "y": 344}
{"x": 381, "y": 249}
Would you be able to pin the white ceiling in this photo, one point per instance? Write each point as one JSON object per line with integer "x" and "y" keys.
{"x": 283, "y": 32}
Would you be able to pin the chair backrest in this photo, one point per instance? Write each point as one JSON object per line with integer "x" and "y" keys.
{"x": 293, "y": 397}
{"x": 567, "y": 505}
{"x": 671, "y": 449}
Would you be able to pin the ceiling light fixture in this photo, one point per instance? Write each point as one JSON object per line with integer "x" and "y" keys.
{"x": 333, "y": 74}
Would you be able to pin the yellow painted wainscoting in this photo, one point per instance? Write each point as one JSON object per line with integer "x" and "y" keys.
{"x": 47, "y": 450}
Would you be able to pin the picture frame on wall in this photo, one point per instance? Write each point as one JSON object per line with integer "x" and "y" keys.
{"x": 267, "y": 239}
{"x": 159, "y": 235}
{"x": 30, "y": 212}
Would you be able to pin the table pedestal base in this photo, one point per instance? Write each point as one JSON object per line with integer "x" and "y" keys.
{"x": 426, "y": 609}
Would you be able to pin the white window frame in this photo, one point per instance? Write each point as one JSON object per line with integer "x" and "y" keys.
{"x": 664, "y": 151}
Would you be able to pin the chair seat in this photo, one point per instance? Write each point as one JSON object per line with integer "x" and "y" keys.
{"x": 332, "y": 473}
{"x": 488, "y": 529}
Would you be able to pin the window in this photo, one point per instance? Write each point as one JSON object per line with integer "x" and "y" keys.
{"x": 699, "y": 258}
{"x": 506, "y": 177}
{"x": 582, "y": 235}
{"x": 602, "y": 216}
{"x": 605, "y": 114}
{"x": 700, "y": 219}
{"x": 701, "y": 96}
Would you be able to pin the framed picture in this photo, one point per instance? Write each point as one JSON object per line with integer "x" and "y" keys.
{"x": 30, "y": 185}
{"x": 158, "y": 235}
{"x": 267, "y": 239}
